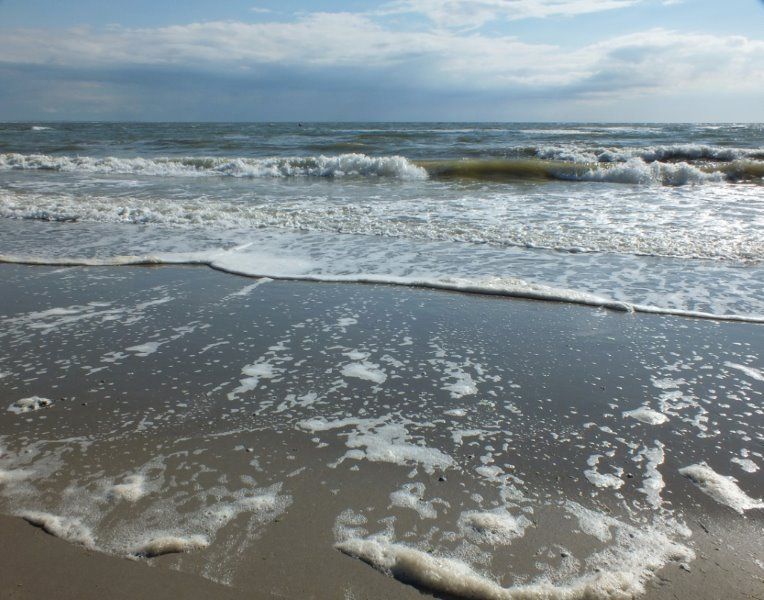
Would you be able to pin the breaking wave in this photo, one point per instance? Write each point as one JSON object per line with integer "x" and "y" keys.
{"x": 311, "y": 166}
{"x": 633, "y": 171}
{"x": 551, "y": 164}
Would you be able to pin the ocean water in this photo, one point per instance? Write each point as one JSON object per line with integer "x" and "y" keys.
{"x": 646, "y": 217}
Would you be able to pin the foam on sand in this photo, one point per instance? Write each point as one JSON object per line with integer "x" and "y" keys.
{"x": 721, "y": 488}
{"x": 145, "y": 349}
{"x": 131, "y": 489}
{"x": 750, "y": 371}
{"x": 647, "y": 415}
{"x": 493, "y": 527}
{"x": 254, "y": 373}
{"x": 602, "y": 480}
{"x": 746, "y": 464}
{"x": 365, "y": 370}
{"x": 623, "y": 580}
{"x": 9, "y": 477}
{"x": 69, "y": 529}
{"x": 169, "y": 544}
{"x": 652, "y": 482}
{"x": 411, "y": 496}
{"x": 379, "y": 441}
{"x": 30, "y": 404}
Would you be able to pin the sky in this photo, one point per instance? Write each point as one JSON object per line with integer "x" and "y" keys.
{"x": 393, "y": 60}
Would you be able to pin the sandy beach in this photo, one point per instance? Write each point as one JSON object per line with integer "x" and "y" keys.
{"x": 207, "y": 435}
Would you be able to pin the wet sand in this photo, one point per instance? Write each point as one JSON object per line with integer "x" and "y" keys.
{"x": 275, "y": 428}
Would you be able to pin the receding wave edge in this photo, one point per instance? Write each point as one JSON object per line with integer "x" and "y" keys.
{"x": 515, "y": 288}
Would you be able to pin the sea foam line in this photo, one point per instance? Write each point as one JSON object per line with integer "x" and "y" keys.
{"x": 497, "y": 286}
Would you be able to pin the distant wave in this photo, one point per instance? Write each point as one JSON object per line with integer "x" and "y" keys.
{"x": 40, "y": 128}
{"x": 661, "y": 153}
{"x": 632, "y": 170}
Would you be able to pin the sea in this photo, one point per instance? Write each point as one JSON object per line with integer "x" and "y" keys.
{"x": 663, "y": 218}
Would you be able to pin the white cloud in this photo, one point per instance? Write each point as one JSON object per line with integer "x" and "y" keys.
{"x": 465, "y": 14}
{"x": 430, "y": 59}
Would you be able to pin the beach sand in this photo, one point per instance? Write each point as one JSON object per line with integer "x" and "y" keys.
{"x": 300, "y": 440}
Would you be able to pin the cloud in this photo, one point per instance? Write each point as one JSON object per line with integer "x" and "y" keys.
{"x": 352, "y": 65}
{"x": 331, "y": 42}
{"x": 466, "y": 14}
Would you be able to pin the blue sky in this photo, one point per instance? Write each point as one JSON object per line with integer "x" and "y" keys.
{"x": 602, "y": 60}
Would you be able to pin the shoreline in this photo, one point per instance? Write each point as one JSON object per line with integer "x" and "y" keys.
{"x": 493, "y": 287}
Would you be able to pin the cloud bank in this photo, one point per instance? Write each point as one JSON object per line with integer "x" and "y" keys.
{"x": 348, "y": 65}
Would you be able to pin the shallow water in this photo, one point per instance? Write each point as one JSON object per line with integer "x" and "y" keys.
{"x": 664, "y": 217}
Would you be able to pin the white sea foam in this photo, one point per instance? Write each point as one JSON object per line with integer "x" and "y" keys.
{"x": 591, "y": 522}
{"x": 752, "y": 372}
{"x": 365, "y": 370}
{"x": 637, "y": 171}
{"x": 721, "y": 488}
{"x": 602, "y": 480}
{"x": 411, "y": 495}
{"x": 652, "y": 481}
{"x": 746, "y": 464}
{"x": 69, "y": 529}
{"x": 247, "y": 289}
{"x": 462, "y": 384}
{"x": 131, "y": 489}
{"x": 254, "y": 373}
{"x": 649, "y": 154}
{"x": 144, "y": 349}
{"x": 646, "y": 415}
{"x": 456, "y": 412}
{"x": 33, "y": 403}
{"x": 620, "y": 573}
{"x": 493, "y": 527}
{"x": 11, "y": 476}
{"x": 379, "y": 441}
{"x": 169, "y": 544}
